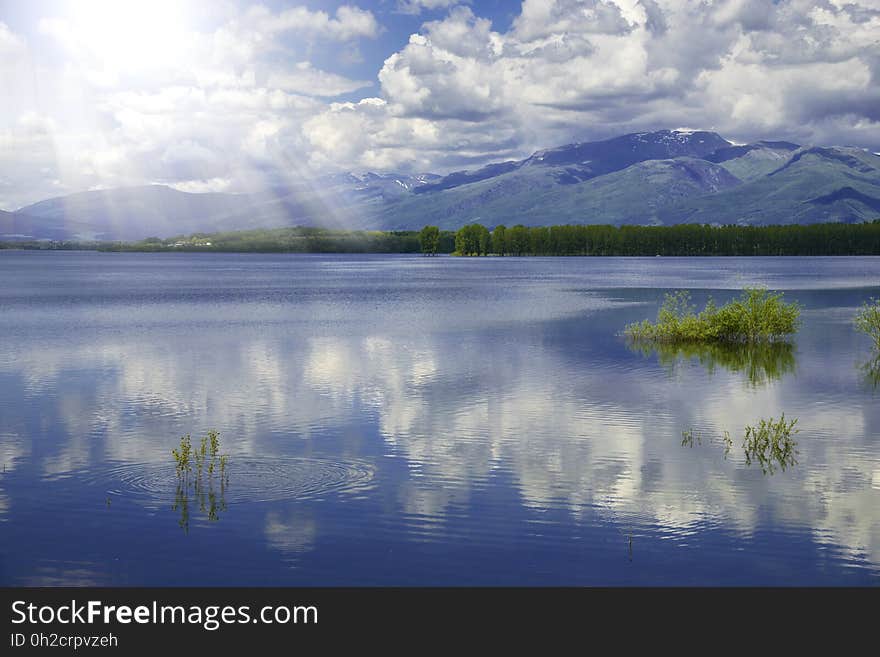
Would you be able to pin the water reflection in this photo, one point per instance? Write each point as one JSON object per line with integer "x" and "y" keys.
{"x": 870, "y": 370}
{"x": 291, "y": 532}
{"x": 452, "y": 439}
{"x": 558, "y": 427}
{"x": 210, "y": 499}
{"x": 210, "y": 502}
{"x": 760, "y": 362}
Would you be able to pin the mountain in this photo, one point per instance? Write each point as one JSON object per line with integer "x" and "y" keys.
{"x": 15, "y": 226}
{"x": 663, "y": 177}
{"x": 535, "y": 196}
{"x": 133, "y": 213}
{"x": 575, "y": 163}
{"x": 751, "y": 161}
{"x": 814, "y": 185}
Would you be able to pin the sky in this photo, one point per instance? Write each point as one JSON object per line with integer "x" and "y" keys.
{"x": 231, "y": 95}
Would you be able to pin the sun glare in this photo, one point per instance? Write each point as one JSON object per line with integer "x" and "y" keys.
{"x": 129, "y": 34}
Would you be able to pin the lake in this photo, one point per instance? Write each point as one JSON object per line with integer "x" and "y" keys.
{"x": 401, "y": 420}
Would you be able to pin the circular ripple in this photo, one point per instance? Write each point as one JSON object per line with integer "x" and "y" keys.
{"x": 249, "y": 480}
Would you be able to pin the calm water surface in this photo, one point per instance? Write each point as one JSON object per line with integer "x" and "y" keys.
{"x": 406, "y": 420}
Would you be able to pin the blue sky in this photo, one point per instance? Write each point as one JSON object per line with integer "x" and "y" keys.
{"x": 237, "y": 95}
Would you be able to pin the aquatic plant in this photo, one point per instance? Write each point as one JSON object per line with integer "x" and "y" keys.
{"x": 689, "y": 436}
{"x": 195, "y": 470}
{"x": 183, "y": 457}
{"x": 756, "y": 316}
{"x": 728, "y": 443}
{"x": 867, "y": 320}
{"x": 771, "y": 444}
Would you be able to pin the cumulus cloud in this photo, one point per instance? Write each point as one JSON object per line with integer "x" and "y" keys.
{"x": 349, "y": 22}
{"x": 304, "y": 79}
{"x": 540, "y": 19}
{"x": 580, "y": 69}
{"x": 219, "y": 107}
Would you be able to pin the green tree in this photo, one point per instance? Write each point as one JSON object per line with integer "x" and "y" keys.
{"x": 499, "y": 235}
{"x": 472, "y": 239}
{"x": 518, "y": 240}
{"x": 462, "y": 241}
{"x": 484, "y": 240}
{"x": 429, "y": 239}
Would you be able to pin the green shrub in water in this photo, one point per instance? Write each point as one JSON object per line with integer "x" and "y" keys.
{"x": 868, "y": 321}
{"x": 756, "y": 316}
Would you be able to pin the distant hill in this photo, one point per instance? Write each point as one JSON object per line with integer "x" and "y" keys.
{"x": 663, "y": 177}
{"x": 19, "y": 226}
{"x": 135, "y": 212}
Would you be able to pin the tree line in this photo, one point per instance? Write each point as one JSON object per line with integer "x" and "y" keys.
{"x": 278, "y": 240}
{"x": 477, "y": 240}
{"x": 678, "y": 240}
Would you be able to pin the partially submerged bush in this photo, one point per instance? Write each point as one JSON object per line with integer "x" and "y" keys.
{"x": 868, "y": 320}
{"x": 756, "y": 316}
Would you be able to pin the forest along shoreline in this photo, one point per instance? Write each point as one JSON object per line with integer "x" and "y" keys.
{"x": 826, "y": 239}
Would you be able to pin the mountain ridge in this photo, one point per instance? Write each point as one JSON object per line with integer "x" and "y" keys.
{"x": 661, "y": 177}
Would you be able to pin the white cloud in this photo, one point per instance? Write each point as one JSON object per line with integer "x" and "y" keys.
{"x": 304, "y": 79}
{"x": 349, "y": 23}
{"x": 581, "y": 69}
{"x": 10, "y": 44}
{"x": 543, "y": 18}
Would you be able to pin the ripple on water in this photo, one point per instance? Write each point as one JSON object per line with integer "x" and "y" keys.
{"x": 249, "y": 480}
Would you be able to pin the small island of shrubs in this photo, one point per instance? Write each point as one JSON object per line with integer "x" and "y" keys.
{"x": 868, "y": 321}
{"x": 756, "y": 316}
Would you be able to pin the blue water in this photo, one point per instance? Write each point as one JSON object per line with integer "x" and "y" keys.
{"x": 404, "y": 420}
